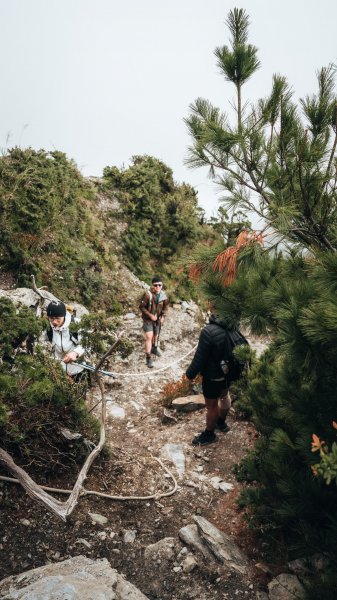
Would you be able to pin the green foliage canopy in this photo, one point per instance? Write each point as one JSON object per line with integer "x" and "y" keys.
{"x": 163, "y": 218}
{"x": 48, "y": 225}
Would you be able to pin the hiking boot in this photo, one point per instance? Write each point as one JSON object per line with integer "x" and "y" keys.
{"x": 205, "y": 437}
{"x": 222, "y": 425}
{"x": 155, "y": 350}
{"x": 149, "y": 362}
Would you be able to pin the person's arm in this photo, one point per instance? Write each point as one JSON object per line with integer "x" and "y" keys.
{"x": 164, "y": 309}
{"x": 78, "y": 349}
{"x": 144, "y": 307}
{"x": 201, "y": 355}
{"x": 74, "y": 354}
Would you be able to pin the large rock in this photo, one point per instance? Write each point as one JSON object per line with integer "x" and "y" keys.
{"x": 190, "y": 536}
{"x": 285, "y": 587}
{"x": 209, "y": 541}
{"x": 221, "y": 545}
{"x": 161, "y": 551}
{"x": 189, "y": 403}
{"x": 78, "y": 578}
{"x": 22, "y": 296}
{"x": 28, "y": 297}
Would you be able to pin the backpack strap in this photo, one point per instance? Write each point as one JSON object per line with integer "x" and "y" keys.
{"x": 50, "y": 333}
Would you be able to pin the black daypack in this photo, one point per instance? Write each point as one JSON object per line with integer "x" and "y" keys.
{"x": 231, "y": 366}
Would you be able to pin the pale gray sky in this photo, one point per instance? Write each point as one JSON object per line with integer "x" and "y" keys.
{"x": 102, "y": 80}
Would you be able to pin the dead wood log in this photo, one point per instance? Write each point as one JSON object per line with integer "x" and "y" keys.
{"x": 60, "y": 509}
{"x": 42, "y": 293}
{"x": 44, "y": 296}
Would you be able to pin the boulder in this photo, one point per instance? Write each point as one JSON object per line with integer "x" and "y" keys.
{"x": 285, "y": 587}
{"x": 189, "y": 403}
{"x": 21, "y": 296}
{"x": 221, "y": 545}
{"x": 163, "y": 550}
{"x": 78, "y": 578}
{"x": 28, "y": 297}
{"x": 190, "y": 536}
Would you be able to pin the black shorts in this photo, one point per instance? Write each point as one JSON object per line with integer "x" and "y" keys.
{"x": 214, "y": 389}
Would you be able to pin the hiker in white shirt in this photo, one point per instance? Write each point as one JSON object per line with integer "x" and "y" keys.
{"x": 65, "y": 344}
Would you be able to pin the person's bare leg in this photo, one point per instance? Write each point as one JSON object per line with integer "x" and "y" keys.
{"x": 225, "y": 402}
{"x": 148, "y": 341}
{"x": 224, "y": 405}
{"x": 212, "y": 413}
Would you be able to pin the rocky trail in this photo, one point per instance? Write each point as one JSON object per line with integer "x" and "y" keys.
{"x": 193, "y": 543}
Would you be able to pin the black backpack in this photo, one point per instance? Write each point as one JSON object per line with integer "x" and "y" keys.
{"x": 231, "y": 365}
{"x": 73, "y": 335}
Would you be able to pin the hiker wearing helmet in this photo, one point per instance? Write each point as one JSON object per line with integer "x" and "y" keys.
{"x": 65, "y": 344}
{"x": 154, "y": 307}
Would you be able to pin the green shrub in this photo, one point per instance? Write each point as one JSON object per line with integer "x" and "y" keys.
{"x": 37, "y": 399}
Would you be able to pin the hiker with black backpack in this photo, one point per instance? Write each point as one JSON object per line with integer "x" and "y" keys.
{"x": 214, "y": 360}
{"x": 65, "y": 344}
{"x": 153, "y": 306}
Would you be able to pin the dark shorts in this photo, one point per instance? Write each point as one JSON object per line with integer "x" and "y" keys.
{"x": 214, "y": 389}
{"x": 147, "y": 326}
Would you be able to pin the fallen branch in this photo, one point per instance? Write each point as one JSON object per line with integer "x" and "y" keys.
{"x": 64, "y": 509}
{"x": 60, "y": 509}
{"x": 85, "y": 492}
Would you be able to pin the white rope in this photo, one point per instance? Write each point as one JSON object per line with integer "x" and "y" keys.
{"x": 151, "y": 372}
{"x": 85, "y": 492}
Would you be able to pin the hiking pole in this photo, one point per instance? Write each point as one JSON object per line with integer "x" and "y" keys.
{"x": 159, "y": 330}
{"x": 93, "y": 369}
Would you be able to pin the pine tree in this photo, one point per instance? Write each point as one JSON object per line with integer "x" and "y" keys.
{"x": 273, "y": 161}
{"x": 279, "y": 163}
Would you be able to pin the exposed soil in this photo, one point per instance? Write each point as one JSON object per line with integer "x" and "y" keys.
{"x": 30, "y": 536}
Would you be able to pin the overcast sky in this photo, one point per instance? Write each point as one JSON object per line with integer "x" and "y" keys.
{"x": 103, "y": 80}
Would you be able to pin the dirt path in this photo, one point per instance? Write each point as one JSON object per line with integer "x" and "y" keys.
{"x": 30, "y": 537}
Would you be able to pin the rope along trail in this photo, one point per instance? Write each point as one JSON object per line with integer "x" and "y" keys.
{"x": 84, "y": 492}
{"x": 141, "y": 373}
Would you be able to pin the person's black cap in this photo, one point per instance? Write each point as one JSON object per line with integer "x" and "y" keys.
{"x": 156, "y": 279}
{"x": 56, "y": 309}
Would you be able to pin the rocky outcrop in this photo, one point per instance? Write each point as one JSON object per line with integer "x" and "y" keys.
{"x": 285, "y": 587}
{"x": 206, "y": 539}
{"x": 28, "y": 297}
{"x": 77, "y": 578}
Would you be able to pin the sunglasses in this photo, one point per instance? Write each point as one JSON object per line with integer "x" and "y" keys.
{"x": 157, "y": 284}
